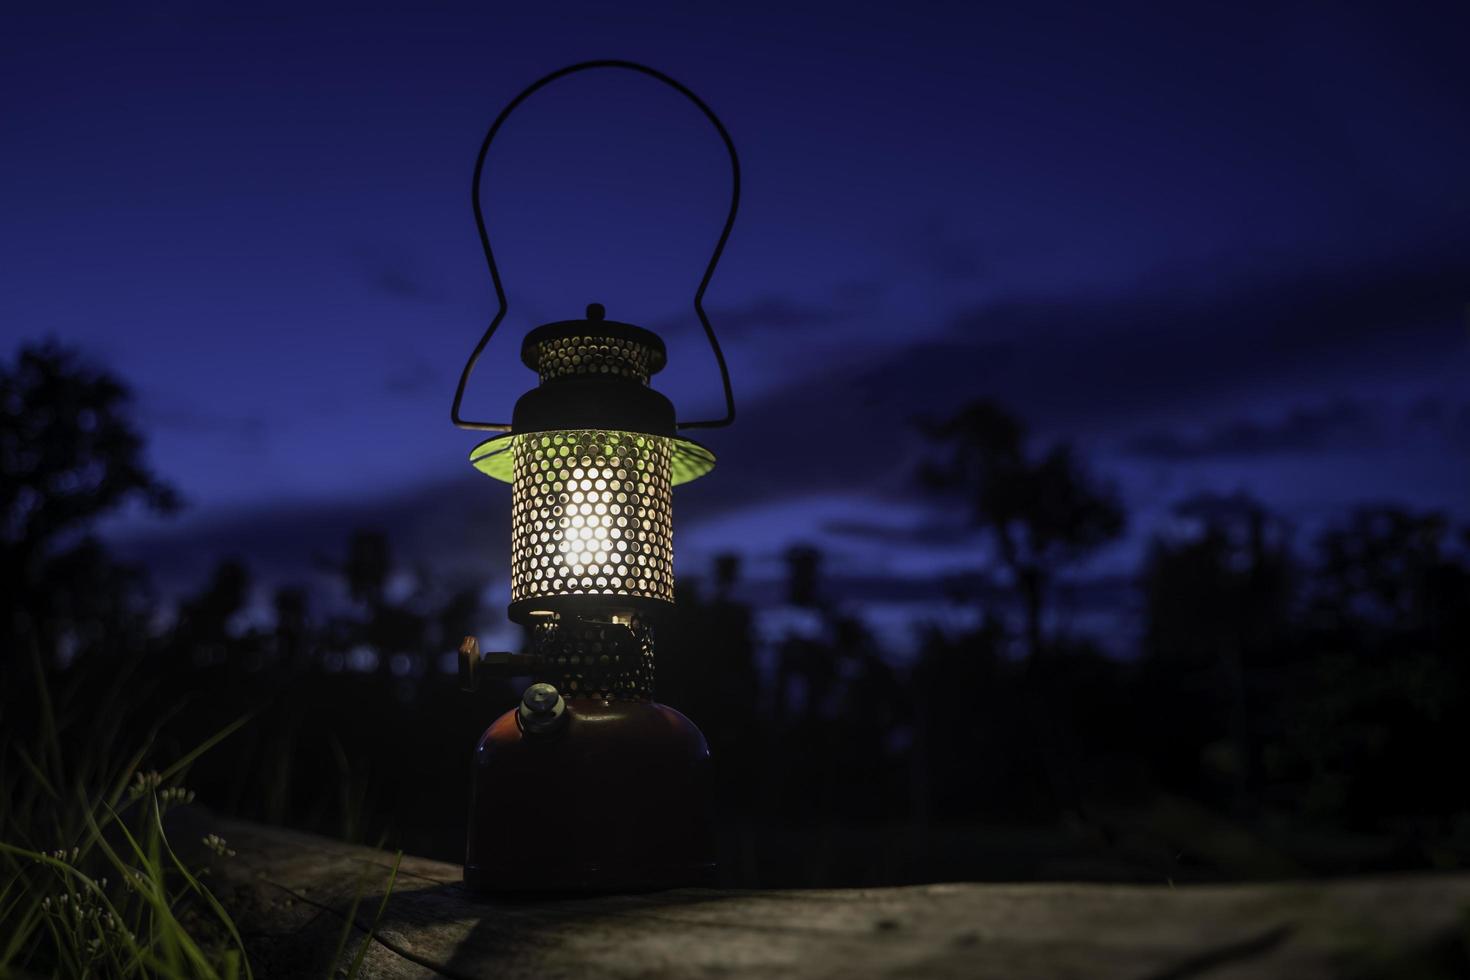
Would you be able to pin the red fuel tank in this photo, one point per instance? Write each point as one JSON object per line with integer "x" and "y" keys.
{"x": 615, "y": 798}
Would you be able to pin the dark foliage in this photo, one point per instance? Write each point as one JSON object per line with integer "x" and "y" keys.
{"x": 1290, "y": 710}
{"x": 1042, "y": 513}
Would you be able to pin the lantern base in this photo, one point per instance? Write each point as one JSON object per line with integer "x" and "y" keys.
{"x": 616, "y": 799}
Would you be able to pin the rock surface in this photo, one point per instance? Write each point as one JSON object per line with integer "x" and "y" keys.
{"x": 293, "y": 893}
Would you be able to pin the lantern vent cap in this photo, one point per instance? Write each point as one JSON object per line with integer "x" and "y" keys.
{"x": 593, "y": 347}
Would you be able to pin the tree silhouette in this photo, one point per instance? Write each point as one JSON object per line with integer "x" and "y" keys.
{"x": 1043, "y": 513}
{"x": 1307, "y": 695}
{"x": 69, "y": 456}
{"x": 1390, "y": 568}
{"x": 293, "y": 637}
{"x": 1218, "y": 625}
{"x": 367, "y": 567}
{"x": 803, "y": 576}
{"x": 203, "y": 628}
{"x": 1389, "y": 615}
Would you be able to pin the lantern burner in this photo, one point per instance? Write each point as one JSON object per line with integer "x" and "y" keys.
{"x": 606, "y": 661}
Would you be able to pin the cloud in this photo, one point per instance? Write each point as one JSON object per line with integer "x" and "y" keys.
{"x": 455, "y": 528}
{"x": 942, "y": 535}
{"x": 1071, "y": 367}
{"x": 396, "y": 281}
{"x": 1433, "y": 415}
{"x": 169, "y": 416}
{"x": 412, "y": 375}
{"x": 948, "y": 255}
{"x": 1302, "y": 430}
{"x": 769, "y": 313}
{"x": 1089, "y": 367}
{"x": 1183, "y": 340}
{"x": 393, "y": 274}
{"x": 775, "y": 313}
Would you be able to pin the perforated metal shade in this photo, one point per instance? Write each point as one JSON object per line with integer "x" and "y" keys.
{"x": 591, "y": 514}
{"x": 592, "y": 458}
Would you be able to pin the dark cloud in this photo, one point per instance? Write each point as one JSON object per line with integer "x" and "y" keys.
{"x": 1099, "y": 367}
{"x": 412, "y": 376}
{"x": 1075, "y": 367}
{"x": 1435, "y": 416}
{"x": 948, "y": 255}
{"x": 389, "y": 271}
{"x": 1180, "y": 342}
{"x": 931, "y": 535}
{"x": 456, "y": 528}
{"x": 769, "y": 313}
{"x": 1429, "y": 411}
{"x": 397, "y": 282}
{"x": 248, "y": 430}
{"x": 1302, "y": 430}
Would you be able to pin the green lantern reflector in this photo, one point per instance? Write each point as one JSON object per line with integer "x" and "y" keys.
{"x": 688, "y": 460}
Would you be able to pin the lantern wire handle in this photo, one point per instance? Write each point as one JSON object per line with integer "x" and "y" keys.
{"x": 709, "y": 331}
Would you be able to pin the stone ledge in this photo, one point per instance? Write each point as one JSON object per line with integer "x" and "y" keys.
{"x": 292, "y": 892}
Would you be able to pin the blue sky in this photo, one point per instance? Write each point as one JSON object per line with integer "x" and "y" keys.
{"x": 1218, "y": 246}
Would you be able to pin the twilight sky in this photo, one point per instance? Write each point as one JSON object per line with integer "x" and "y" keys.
{"x": 1219, "y": 246}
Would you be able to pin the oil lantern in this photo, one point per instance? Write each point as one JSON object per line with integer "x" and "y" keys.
{"x": 590, "y": 784}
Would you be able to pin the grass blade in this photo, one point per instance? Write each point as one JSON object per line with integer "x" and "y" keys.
{"x": 205, "y": 746}
{"x": 362, "y": 950}
{"x": 208, "y": 896}
{"x": 35, "y": 770}
{"x": 347, "y": 927}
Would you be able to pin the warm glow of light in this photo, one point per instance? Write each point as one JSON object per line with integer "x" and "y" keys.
{"x": 591, "y": 514}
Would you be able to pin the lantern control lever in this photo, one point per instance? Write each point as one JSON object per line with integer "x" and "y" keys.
{"x": 473, "y": 664}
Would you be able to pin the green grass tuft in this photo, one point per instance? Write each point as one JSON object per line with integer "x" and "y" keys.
{"x": 90, "y": 884}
